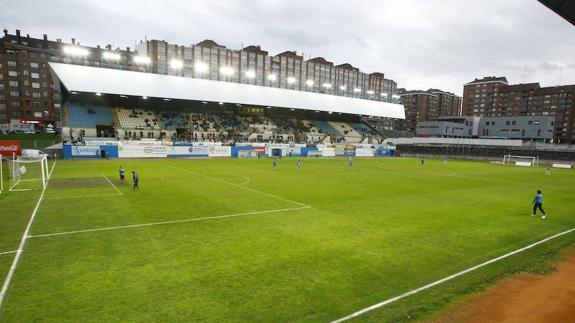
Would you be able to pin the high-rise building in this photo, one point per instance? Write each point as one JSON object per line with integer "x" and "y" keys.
{"x": 252, "y": 65}
{"x": 494, "y": 97}
{"x": 426, "y": 106}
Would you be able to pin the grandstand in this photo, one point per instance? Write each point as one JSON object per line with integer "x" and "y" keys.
{"x": 135, "y": 106}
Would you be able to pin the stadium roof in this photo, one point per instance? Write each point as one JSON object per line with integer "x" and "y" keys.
{"x": 109, "y": 81}
{"x": 564, "y": 8}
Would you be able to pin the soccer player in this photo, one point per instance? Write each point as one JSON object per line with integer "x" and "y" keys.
{"x": 538, "y": 204}
{"x": 122, "y": 174}
{"x": 350, "y": 162}
{"x": 298, "y": 164}
{"x": 275, "y": 163}
{"x": 422, "y": 161}
{"x": 548, "y": 171}
{"x": 136, "y": 180}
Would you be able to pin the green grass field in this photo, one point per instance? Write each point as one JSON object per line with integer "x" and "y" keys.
{"x": 236, "y": 240}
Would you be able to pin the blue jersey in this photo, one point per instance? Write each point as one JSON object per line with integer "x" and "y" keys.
{"x": 538, "y": 199}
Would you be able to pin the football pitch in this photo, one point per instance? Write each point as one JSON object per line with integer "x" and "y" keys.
{"x": 237, "y": 240}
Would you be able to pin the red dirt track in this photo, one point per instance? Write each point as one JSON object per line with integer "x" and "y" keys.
{"x": 523, "y": 298}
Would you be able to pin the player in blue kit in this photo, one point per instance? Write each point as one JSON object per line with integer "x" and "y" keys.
{"x": 538, "y": 204}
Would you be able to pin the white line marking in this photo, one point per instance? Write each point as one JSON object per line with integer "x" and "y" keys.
{"x": 169, "y": 222}
{"x": 114, "y": 186}
{"x": 246, "y": 182}
{"x": 8, "y": 252}
{"x": 443, "y": 280}
{"x": 12, "y": 187}
{"x": 25, "y": 237}
{"x": 238, "y": 185}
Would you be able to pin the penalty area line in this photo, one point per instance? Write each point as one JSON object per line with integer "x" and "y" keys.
{"x": 168, "y": 222}
{"x": 114, "y": 186}
{"x": 448, "y": 278}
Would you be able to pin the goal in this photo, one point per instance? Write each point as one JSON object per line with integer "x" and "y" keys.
{"x": 27, "y": 173}
{"x": 527, "y": 161}
{"x": 247, "y": 154}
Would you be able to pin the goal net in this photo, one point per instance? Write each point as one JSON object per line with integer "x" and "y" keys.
{"x": 27, "y": 173}
{"x": 527, "y": 161}
{"x": 247, "y": 154}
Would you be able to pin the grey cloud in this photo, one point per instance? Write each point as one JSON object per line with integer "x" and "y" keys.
{"x": 420, "y": 44}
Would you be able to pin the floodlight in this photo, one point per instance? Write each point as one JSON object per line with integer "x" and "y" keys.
{"x": 370, "y": 92}
{"x": 291, "y": 80}
{"x": 142, "y": 60}
{"x": 272, "y": 77}
{"x": 326, "y": 85}
{"x": 201, "y": 67}
{"x": 227, "y": 71}
{"x": 98, "y": 94}
{"x": 343, "y": 88}
{"x": 221, "y": 103}
{"x": 176, "y": 64}
{"x": 112, "y": 56}
{"x": 395, "y": 96}
{"x": 384, "y": 95}
{"x": 145, "y": 97}
{"x": 250, "y": 74}
{"x": 309, "y": 82}
{"x": 356, "y": 90}
{"x": 76, "y": 51}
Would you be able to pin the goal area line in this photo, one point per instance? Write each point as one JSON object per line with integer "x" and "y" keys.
{"x": 217, "y": 217}
{"x": 448, "y": 278}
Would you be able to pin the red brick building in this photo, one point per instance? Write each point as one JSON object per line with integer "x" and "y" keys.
{"x": 492, "y": 96}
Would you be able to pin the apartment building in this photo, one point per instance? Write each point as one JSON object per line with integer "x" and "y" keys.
{"x": 493, "y": 96}
{"x": 252, "y": 65}
{"x": 27, "y": 90}
{"x": 426, "y": 106}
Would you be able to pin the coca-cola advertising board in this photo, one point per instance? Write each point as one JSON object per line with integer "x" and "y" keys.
{"x": 10, "y": 147}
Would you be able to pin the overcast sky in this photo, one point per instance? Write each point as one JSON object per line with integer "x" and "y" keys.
{"x": 418, "y": 43}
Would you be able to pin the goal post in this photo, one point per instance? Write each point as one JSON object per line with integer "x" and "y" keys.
{"x": 28, "y": 173}
{"x": 527, "y": 161}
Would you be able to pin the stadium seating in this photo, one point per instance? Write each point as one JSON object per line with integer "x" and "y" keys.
{"x": 217, "y": 126}
{"x": 326, "y": 128}
{"x": 137, "y": 119}
{"x": 88, "y": 115}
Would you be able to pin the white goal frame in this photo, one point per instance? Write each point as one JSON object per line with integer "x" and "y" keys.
{"x": 532, "y": 160}
{"x": 18, "y": 168}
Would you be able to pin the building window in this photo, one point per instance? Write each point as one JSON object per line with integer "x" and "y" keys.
{"x": 12, "y": 73}
{"x": 35, "y": 85}
{"x": 513, "y": 122}
{"x": 12, "y": 63}
{"x": 35, "y": 75}
{"x": 34, "y": 65}
{"x": 507, "y": 123}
